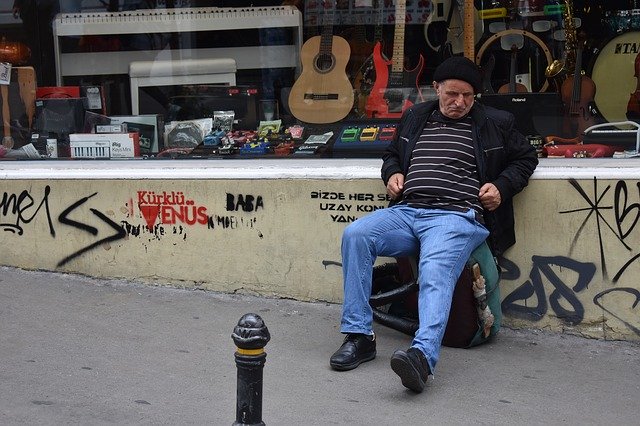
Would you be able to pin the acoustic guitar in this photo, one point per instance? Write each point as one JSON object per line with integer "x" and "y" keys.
{"x": 395, "y": 86}
{"x": 323, "y": 93}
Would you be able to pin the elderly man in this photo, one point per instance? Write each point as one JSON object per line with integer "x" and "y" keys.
{"x": 452, "y": 169}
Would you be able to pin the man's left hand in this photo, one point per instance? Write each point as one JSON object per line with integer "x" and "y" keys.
{"x": 489, "y": 196}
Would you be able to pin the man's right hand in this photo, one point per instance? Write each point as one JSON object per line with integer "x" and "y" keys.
{"x": 395, "y": 185}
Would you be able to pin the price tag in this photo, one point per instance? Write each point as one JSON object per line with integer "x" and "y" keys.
{"x": 5, "y": 73}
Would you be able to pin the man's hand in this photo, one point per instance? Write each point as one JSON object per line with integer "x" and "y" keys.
{"x": 395, "y": 185}
{"x": 489, "y": 196}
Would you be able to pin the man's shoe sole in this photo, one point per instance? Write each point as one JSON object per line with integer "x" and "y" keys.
{"x": 410, "y": 376}
{"x": 346, "y": 367}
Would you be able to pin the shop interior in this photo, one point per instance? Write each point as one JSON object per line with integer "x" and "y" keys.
{"x": 272, "y": 79}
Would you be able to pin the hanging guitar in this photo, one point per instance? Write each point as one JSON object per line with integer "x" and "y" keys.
{"x": 512, "y": 86}
{"x": 445, "y": 27}
{"x": 469, "y": 31}
{"x": 365, "y": 76}
{"x": 395, "y": 87}
{"x": 361, "y": 47}
{"x": 323, "y": 93}
{"x": 578, "y": 92}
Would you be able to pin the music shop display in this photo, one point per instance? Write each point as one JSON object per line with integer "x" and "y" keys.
{"x": 342, "y": 72}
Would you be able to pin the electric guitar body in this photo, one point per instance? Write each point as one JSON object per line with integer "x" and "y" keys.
{"x": 361, "y": 48}
{"x": 365, "y": 76}
{"x": 393, "y": 90}
{"x": 395, "y": 87}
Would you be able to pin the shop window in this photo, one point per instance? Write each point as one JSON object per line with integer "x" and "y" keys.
{"x": 319, "y": 78}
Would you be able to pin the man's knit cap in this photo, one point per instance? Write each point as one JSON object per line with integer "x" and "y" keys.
{"x": 459, "y": 68}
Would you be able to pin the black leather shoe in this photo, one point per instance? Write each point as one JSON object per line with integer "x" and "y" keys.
{"x": 412, "y": 367}
{"x": 356, "y": 349}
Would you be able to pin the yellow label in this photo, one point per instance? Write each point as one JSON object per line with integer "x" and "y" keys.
{"x": 250, "y": 351}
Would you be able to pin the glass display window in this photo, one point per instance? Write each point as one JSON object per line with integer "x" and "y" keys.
{"x": 270, "y": 73}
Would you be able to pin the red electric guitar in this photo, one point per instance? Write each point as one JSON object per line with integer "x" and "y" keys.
{"x": 394, "y": 86}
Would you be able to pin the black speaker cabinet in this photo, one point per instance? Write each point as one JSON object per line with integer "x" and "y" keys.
{"x": 537, "y": 114}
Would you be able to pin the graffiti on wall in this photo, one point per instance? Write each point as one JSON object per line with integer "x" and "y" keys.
{"x": 19, "y": 209}
{"x": 175, "y": 210}
{"x": 557, "y": 285}
{"x": 563, "y": 298}
{"x": 173, "y": 207}
{"x": 170, "y": 208}
{"x": 67, "y": 217}
{"x": 610, "y": 212}
{"x": 344, "y": 207}
{"x": 158, "y": 214}
{"x": 626, "y": 214}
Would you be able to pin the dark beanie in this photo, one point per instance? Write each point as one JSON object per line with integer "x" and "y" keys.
{"x": 459, "y": 68}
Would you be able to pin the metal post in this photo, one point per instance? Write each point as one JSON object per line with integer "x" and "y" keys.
{"x": 250, "y": 336}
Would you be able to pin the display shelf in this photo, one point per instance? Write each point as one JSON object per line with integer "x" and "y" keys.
{"x": 183, "y": 21}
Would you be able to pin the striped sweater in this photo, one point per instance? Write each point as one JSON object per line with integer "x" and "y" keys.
{"x": 442, "y": 173}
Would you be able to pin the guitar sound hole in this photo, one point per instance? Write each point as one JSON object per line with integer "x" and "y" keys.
{"x": 324, "y": 62}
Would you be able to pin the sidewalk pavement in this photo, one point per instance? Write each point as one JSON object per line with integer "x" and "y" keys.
{"x": 81, "y": 351}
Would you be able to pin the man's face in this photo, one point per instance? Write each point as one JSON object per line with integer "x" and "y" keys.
{"x": 455, "y": 97}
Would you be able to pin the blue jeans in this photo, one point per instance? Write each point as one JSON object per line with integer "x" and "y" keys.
{"x": 444, "y": 239}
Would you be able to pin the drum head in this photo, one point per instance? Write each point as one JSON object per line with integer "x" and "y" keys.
{"x": 612, "y": 72}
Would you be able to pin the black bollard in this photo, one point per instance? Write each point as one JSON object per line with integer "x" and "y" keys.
{"x": 250, "y": 336}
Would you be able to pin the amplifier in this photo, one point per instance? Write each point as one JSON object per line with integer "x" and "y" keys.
{"x": 535, "y": 113}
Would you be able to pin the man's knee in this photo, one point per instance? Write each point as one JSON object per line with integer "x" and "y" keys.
{"x": 354, "y": 231}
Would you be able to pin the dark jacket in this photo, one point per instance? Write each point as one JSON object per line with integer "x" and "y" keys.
{"x": 503, "y": 156}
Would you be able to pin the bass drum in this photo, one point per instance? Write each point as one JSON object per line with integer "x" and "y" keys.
{"x": 613, "y": 71}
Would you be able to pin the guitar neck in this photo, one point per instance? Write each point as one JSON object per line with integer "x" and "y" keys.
{"x": 326, "y": 38}
{"x": 377, "y": 35}
{"x": 398, "y": 37}
{"x": 577, "y": 83}
{"x": 469, "y": 30}
{"x": 512, "y": 71}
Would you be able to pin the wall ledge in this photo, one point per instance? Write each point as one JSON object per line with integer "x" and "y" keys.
{"x": 278, "y": 168}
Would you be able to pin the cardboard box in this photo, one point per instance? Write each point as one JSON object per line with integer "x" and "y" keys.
{"x": 92, "y": 96}
{"x": 104, "y": 145}
{"x": 46, "y": 147}
{"x": 59, "y": 116}
{"x": 149, "y": 126}
{"x": 58, "y": 92}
